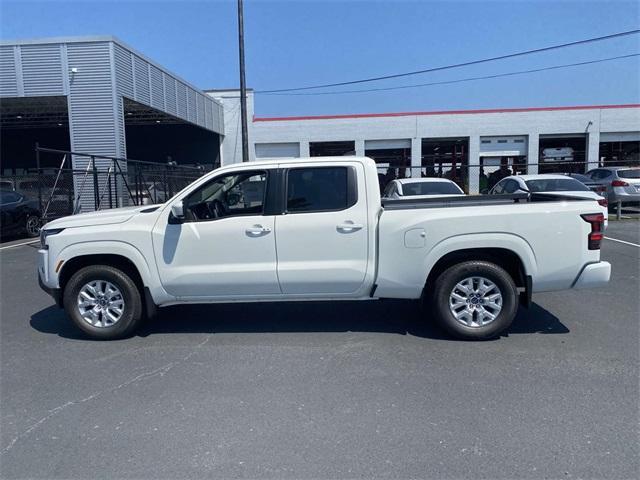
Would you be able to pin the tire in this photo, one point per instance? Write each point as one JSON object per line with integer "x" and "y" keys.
{"x": 32, "y": 226}
{"x": 474, "y": 316}
{"x": 93, "y": 280}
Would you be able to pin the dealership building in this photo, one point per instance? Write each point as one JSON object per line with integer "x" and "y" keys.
{"x": 96, "y": 95}
{"x": 458, "y": 144}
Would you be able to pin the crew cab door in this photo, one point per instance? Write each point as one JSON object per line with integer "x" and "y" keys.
{"x": 225, "y": 247}
{"x": 322, "y": 236}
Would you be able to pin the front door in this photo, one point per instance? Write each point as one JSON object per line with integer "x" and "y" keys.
{"x": 226, "y": 245}
{"x": 322, "y": 238}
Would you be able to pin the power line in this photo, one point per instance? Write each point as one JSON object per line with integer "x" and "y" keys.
{"x": 457, "y": 65}
{"x": 461, "y": 80}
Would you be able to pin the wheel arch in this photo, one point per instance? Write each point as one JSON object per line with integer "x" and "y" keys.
{"x": 74, "y": 264}
{"x": 508, "y": 251}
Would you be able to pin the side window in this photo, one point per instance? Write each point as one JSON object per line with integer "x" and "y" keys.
{"x": 600, "y": 174}
{"x": 499, "y": 188}
{"x": 389, "y": 190}
{"x": 239, "y": 193}
{"x": 510, "y": 186}
{"x": 320, "y": 189}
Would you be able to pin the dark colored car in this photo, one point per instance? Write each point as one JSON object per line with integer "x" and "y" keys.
{"x": 589, "y": 182}
{"x": 18, "y": 214}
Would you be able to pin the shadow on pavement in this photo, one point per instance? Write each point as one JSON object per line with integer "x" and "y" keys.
{"x": 388, "y": 316}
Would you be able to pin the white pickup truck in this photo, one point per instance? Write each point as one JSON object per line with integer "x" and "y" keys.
{"x": 317, "y": 229}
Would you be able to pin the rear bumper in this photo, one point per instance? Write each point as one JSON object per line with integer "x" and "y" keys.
{"x": 593, "y": 275}
{"x": 620, "y": 194}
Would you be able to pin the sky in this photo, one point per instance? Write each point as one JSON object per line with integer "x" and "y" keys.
{"x": 298, "y": 43}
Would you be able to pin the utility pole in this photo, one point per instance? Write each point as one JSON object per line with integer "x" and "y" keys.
{"x": 243, "y": 87}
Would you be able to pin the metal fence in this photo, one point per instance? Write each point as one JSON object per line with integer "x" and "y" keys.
{"x": 103, "y": 182}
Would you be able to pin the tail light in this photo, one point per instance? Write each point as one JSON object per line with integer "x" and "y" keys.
{"x": 597, "y": 223}
{"x": 603, "y": 202}
{"x": 619, "y": 183}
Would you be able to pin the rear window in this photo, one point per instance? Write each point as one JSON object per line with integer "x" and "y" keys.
{"x": 556, "y": 185}
{"x": 430, "y": 188}
{"x": 631, "y": 173}
{"x": 318, "y": 189}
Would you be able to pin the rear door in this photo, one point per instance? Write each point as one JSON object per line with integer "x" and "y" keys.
{"x": 322, "y": 239}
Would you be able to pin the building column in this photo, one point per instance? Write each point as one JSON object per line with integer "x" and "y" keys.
{"x": 416, "y": 157}
{"x": 304, "y": 149}
{"x": 533, "y": 153}
{"x": 474, "y": 165}
{"x": 359, "y": 148}
{"x": 593, "y": 150}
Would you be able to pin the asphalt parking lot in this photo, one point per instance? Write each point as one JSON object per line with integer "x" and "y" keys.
{"x": 350, "y": 390}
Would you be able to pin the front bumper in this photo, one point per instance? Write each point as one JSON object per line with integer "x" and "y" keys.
{"x": 594, "y": 275}
{"x": 56, "y": 293}
{"x": 43, "y": 275}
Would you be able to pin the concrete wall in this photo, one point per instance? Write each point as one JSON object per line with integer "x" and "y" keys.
{"x": 531, "y": 123}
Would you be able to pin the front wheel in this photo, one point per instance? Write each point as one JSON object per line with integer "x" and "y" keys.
{"x": 475, "y": 300}
{"x": 32, "y": 226}
{"x": 103, "y": 302}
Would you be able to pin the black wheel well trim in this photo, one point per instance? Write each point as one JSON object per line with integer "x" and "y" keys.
{"x": 503, "y": 257}
{"x": 121, "y": 262}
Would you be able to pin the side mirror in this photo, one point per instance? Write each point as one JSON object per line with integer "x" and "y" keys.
{"x": 484, "y": 191}
{"x": 177, "y": 212}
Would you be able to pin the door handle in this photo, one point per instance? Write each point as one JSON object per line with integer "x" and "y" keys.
{"x": 348, "y": 226}
{"x": 257, "y": 231}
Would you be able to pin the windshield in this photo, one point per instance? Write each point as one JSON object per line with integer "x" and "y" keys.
{"x": 8, "y": 197}
{"x": 556, "y": 185}
{"x": 430, "y": 188}
{"x": 631, "y": 173}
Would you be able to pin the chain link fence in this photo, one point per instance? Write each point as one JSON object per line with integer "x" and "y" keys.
{"x": 73, "y": 182}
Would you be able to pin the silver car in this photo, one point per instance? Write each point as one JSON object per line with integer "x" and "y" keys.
{"x": 622, "y": 183}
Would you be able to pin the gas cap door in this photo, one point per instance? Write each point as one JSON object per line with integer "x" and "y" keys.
{"x": 415, "y": 238}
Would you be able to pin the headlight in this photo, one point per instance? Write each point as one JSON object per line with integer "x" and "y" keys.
{"x": 46, "y": 233}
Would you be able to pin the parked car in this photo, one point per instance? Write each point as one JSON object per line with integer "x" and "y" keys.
{"x": 320, "y": 231}
{"x": 622, "y": 183}
{"x": 422, "y": 187}
{"x": 150, "y": 194}
{"x": 19, "y": 214}
{"x": 589, "y": 182}
{"x": 7, "y": 185}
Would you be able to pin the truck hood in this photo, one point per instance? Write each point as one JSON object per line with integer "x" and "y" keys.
{"x": 103, "y": 217}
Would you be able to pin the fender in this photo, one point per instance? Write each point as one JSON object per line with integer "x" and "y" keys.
{"x": 124, "y": 249}
{"x": 507, "y": 241}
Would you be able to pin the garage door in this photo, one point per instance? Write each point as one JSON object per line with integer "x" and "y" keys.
{"x": 620, "y": 137}
{"x": 387, "y": 144}
{"x": 277, "y": 150}
{"x": 503, "y": 146}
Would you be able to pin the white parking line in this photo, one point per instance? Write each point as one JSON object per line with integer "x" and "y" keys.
{"x": 19, "y": 244}
{"x": 623, "y": 241}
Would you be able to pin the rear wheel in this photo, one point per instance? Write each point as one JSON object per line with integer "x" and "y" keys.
{"x": 475, "y": 300}
{"x": 103, "y": 302}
